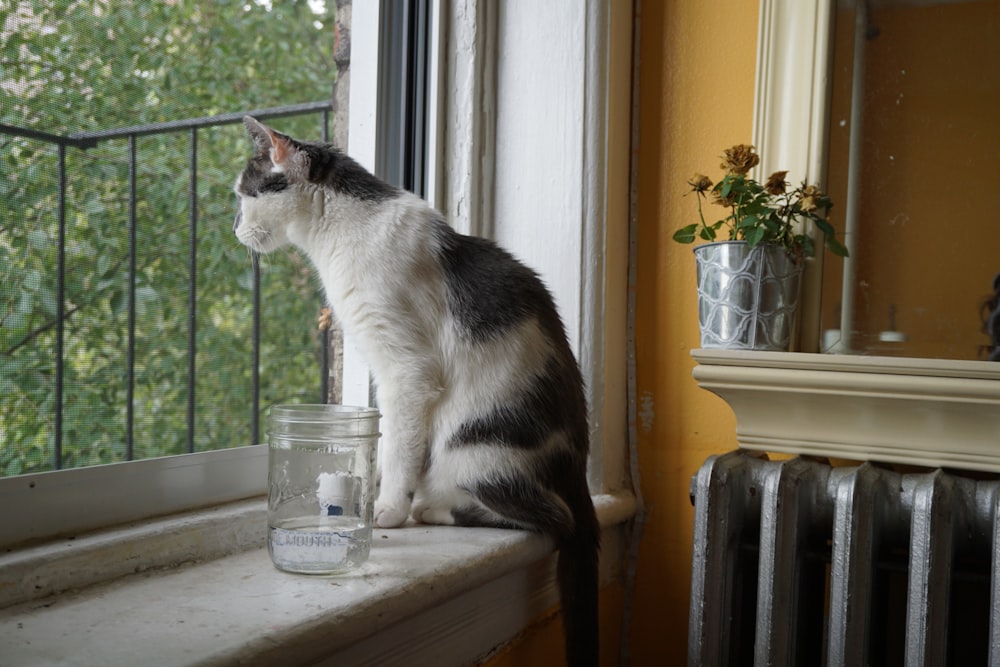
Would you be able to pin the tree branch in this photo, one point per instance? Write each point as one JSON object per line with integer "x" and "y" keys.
{"x": 42, "y": 329}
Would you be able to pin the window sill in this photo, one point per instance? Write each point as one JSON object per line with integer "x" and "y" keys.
{"x": 428, "y": 595}
{"x": 927, "y": 412}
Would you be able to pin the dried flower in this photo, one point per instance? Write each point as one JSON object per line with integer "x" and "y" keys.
{"x": 740, "y": 159}
{"x": 700, "y": 183}
{"x": 776, "y": 183}
{"x": 810, "y": 198}
{"x": 769, "y": 213}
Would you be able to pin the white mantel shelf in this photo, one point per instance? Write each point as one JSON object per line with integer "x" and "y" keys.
{"x": 924, "y": 412}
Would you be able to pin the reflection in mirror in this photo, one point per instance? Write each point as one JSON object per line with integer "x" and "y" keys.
{"x": 914, "y": 167}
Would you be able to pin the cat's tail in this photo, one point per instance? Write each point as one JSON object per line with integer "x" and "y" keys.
{"x": 577, "y": 577}
{"x": 567, "y": 514}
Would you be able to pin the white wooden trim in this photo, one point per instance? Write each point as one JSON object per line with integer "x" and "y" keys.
{"x": 80, "y": 561}
{"x": 791, "y": 114}
{"x": 792, "y": 89}
{"x": 604, "y": 246}
{"x": 537, "y": 158}
{"x": 436, "y": 129}
{"x": 68, "y": 502}
{"x": 927, "y": 412}
{"x": 362, "y": 146}
{"x": 361, "y": 137}
{"x": 539, "y": 199}
{"x": 470, "y": 115}
{"x": 593, "y": 267}
{"x": 429, "y": 595}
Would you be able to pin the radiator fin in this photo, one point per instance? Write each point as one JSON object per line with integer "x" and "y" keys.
{"x": 858, "y": 498}
{"x": 800, "y": 563}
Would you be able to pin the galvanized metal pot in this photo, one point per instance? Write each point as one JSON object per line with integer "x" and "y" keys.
{"x": 747, "y": 297}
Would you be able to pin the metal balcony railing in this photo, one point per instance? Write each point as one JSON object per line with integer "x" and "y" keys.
{"x": 87, "y": 140}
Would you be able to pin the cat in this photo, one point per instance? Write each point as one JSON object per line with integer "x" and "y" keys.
{"x": 484, "y": 416}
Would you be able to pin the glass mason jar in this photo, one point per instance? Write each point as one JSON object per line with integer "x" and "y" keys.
{"x": 321, "y": 486}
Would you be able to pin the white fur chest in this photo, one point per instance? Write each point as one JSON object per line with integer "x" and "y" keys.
{"x": 377, "y": 266}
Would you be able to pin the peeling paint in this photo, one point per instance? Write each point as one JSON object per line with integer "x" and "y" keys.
{"x": 646, "y": 412}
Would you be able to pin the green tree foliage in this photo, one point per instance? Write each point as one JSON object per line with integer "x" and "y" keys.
{"x": 74, "y": 66}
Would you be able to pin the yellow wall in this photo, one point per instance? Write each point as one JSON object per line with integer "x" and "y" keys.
{"x": 697, "y": 90}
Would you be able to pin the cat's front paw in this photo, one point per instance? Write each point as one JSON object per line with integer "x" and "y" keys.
{"x": 389, "y": 517}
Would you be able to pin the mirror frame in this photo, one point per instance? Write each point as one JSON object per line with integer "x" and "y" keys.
{"x": 795, "y": 52}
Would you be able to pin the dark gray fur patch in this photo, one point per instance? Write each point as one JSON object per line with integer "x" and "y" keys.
{"x": 330, "y": 167}
{"x": 548, "y": 405}
{"x": 258, "y": 179}
{"x": 521, "y": 502}
{"x": 489, "y": 291}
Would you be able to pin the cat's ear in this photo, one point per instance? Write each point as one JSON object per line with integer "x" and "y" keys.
{"x": 283, "y": 152}
{"x": 260, "y": 133}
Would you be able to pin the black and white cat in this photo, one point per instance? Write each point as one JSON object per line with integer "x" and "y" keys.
{"x": 484, "y": 417}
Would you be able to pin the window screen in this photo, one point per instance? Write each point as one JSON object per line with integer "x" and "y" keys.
{"x": 132, "y": 323}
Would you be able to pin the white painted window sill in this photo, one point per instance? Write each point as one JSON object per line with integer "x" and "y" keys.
{"x": 428, "y": 595}
{"x": 927, "y": 412}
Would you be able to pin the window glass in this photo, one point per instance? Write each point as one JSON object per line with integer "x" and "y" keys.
{"x": 151, "y": 352}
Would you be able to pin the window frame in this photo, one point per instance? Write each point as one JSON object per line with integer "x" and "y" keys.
{"x": 495, "y": 105}
{"x": 472, "y": 94}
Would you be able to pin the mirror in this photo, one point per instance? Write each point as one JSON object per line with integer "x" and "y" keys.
{"x": 913, "y": 166}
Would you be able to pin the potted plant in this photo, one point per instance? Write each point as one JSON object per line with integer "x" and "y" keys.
{"x": 748, "y": 284}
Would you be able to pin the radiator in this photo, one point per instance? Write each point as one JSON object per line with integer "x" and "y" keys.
{"x": 799, "y": 563}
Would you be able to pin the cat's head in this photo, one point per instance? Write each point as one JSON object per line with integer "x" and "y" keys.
{"x": 270, "y": 192}
{"x": 282, "y": 188}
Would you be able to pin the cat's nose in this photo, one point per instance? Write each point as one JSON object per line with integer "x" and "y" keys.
{"x": 236, "y": 221}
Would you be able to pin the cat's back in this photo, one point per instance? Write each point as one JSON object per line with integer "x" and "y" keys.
{"x": 505, "y": 347}
{"x": 489, "y": 291}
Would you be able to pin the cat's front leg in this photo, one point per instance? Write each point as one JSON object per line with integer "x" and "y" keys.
{"x": 403, "y": 452}
{"x": 392, "y": 507}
